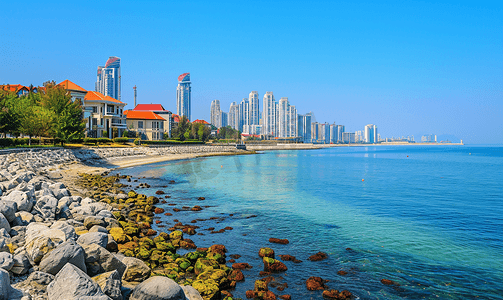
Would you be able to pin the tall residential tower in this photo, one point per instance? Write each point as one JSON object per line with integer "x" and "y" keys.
{"x": 108, "y": 81}
{"x": 216, "y": 114}
{"x": 183, "y": 95}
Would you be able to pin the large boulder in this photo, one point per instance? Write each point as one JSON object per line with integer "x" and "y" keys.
{"x": 21, "y": 264}
{"x": 8, "y": 209}
{"x": 191, "y": 293}
{"x": 4, "y": 223}
{"x": 46, "y": 207}
{"x": 7, "y": 292}
{"x": 98, "y": 238}
{"x": 72, "y": 283}
{"x": 67, "y": 252}
{"x": 136, "y": 270}
{"x": 66, "y": 228}
{"x": 23, "y": 200}
{"x": 6, "y": 261}
{"x": 110, "y": 284}
{"x": 158, "y": 288}
{"x": 99, "y": 260}
{"x": 94, "y": 220}
{"x": 23, "y": 218}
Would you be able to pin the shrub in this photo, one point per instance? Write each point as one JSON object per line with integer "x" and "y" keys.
{"x": 104, "y": 140}
{"x": 121, "y": 140}
{"x": 136, "y": 141}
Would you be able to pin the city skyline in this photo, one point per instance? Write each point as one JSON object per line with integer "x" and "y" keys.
{"x": 412, "y": 68}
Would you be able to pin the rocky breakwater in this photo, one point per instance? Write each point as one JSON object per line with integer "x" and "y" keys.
{"x": 55, "y": 245}
{"x": 96, "y": 155}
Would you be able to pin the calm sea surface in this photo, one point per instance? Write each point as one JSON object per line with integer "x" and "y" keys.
{"x": 427, "y": 217}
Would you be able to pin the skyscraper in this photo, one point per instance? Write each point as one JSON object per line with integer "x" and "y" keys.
{"x": 223, "y": 119}
{"x": 108, "y": 81}
{"x": 304, "y": 127}
{"x": 284, "y": 118}
{"x": 254, "y": 108}
{"x": 371, "y": 134}
{"x": 234, "y": 116}
{"x": 244, "y": 114}
{"x": 183, "y": 95}
{"x": 293, "y": 121}
{"x": 269, "y": 115}
{"x": 216, "y": 114}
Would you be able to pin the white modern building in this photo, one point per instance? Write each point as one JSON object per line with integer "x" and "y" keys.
{"x": 269, "y": 115}
{"x": 215, "y": 114}
{"x": 233, "y": 117}
{"x": 244, "y": 114}
{"x": 254, "y": 108}
{"x": 371, "y": 134}
{"x": 108, "y": 81}
{"x": 183, "y": 96}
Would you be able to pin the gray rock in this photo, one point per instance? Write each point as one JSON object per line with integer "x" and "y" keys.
{"x": 61, "y": 193}
{"x": 17, "y": 230}
{"x": 98, "y": 228}
{"x": 72, "y": 283}
{"x": 158, "y": 288}
{"x": 24, "y": 176}
{"x": 93, "y": 221}
{"x": 21, "y": 264}
{"x": 191, "y": 293}
{"x": 100, "y": 260}
{"x": 8, "y": 209}
{"x": 46, "y": 207}
{"x": 6, "y": 261}
{"x": 3, "y": 245}
{"x": 4, "y": 234}
{"x": 23, "y": 218}
{"x": 38, "y": 247}
{"x": 136, "y": 270}
{"x": 4, "y": 223}
{"x": 98, "y": 238}
{"x": 7, "y": 292}
{"x": 105, "y": 214}
{"x": 67, "y": 252}
{"x": 110, "y": 283}
{"x": 22, "y": 199}
{"x": 66, "y": 228}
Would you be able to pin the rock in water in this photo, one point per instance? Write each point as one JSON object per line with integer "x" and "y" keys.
{"x": 158, "y": 288}
{"x": 72, "y": 283}
{"x": 67, "y": 252}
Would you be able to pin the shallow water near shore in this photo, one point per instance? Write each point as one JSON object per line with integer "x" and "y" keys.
{"x": 427, "y": 217}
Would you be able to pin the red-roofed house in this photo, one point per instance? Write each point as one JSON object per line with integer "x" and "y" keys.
{"x": 20, "y": 90}
{"x": 103, "y": 114}
{"x": 152, "y": 121}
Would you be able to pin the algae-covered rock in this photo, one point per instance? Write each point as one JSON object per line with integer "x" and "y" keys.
{"x": 132, "y": 194}
{"x": 183, "y": 263}
{"x": 216, "y": 256}
{"x": 203, "y": 264}
{"x": 273, "y": 265}
{"x": 217, "y": 275}
{"x": 208, "y": 289}
{"x": 176, "y": 235}
{"x": 143, "y": 253}
{"x": 266, "y": 252}
{"x": 119, "y": 235}
{"x": 131, "y": 230}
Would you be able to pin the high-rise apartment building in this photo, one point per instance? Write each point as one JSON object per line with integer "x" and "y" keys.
{"x": 269, "y": 115}
{"x": 371, "y": 134}
{"x": 215, "y": 114}
{"x": 234, "y": 116}
{"x": 223, "y": 119}
{"x": 244, "y": 114}
{"x": 183, "y": 96}
{"x": 254, "y": 108}
{"x": 284, "y": 118}
{"x": 108, "y": 81}
{"x": 293, "y": 121}
{"x": 304, "y": 127}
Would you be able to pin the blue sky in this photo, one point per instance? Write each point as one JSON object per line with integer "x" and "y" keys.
{"x": 410, "y": 67}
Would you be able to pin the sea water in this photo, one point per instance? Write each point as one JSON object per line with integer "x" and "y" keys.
{"x": 430, "y": 218}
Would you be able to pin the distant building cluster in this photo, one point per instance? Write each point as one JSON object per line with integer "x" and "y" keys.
{"x": 280, "y": 120}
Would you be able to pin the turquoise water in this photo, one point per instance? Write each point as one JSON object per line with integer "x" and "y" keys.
{"x": 427, "y": 217}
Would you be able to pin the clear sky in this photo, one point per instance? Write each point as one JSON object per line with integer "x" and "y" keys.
{"x": 410, "y": 67}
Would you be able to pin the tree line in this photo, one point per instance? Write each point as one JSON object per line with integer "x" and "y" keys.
{"x": 50, "y": 112}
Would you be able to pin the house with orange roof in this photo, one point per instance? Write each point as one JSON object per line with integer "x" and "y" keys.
{"x": 20, "y": 90}
{"x": 151, "y": 121}
{"x": 103, "y": 114}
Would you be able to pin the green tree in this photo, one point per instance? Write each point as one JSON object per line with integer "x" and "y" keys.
{"x": 37, "y": 121}
{"x": 8, "y": 118}
{"x": 183, "y": 126}
{"x": 67, "y": 120}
